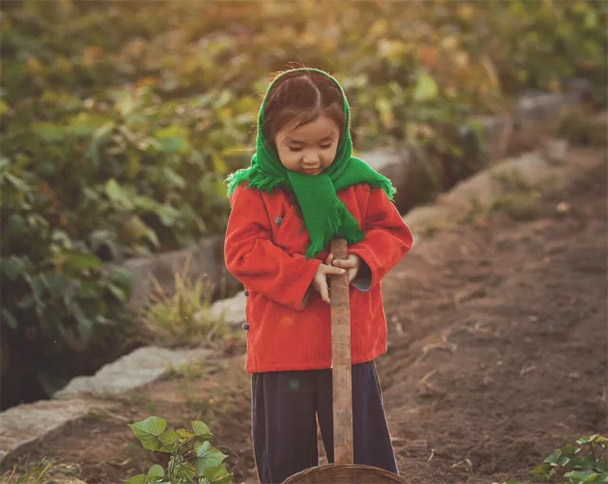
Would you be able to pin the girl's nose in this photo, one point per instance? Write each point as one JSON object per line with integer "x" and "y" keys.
{"x": 311, "y": 158}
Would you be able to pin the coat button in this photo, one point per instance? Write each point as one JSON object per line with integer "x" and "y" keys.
{"x": 278, "y": 220}
{"x": 246, "y": 292}
{"x": 245, "y": 326}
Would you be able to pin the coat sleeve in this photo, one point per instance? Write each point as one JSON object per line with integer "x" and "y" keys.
{"x": 387, "y": 240}
{"x": 255, "y": 260}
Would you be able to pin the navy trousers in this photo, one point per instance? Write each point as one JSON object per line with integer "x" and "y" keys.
{"x": 286, "y": 405}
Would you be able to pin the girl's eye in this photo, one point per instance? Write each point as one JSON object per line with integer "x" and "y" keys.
{"x": 294, "y": 149}
{"x": 326, "y": 147}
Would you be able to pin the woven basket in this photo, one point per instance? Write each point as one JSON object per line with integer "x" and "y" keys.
{"x": 344, "y": 474}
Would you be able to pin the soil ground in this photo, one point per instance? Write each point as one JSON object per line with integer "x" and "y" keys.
{"x": 497, "y": 355}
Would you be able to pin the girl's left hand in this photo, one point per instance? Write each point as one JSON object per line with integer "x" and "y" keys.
{"x": 351, "y": 264}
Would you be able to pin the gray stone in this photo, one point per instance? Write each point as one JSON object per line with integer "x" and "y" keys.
{"x": 482, "y": 187}
{"x": 142, "y": 366}
{"x": 25, "y": 424}
{"x": 206, "y": 260}
{"x": 232, "y": 310}
{"x": 543, "y": 106}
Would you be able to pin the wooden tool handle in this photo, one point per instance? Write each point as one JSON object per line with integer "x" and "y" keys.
{"x": 341, "y": 360}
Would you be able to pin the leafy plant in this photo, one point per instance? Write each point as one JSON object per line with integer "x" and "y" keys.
{"x": 192, "y": 458}
{"x": 58, "y": 298}
{"x": 182, "y": 316}
{"x": 584, "y": 463}
{"x": 41, "y": 472}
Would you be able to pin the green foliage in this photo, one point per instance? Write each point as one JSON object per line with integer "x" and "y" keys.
{"x": 182, "y": 317}
{"x": 515, "y": 197}
{"x": 119, "y": 122}
{"x": 57, "y": 297}
{"x": 41, "y": 472}
{"x": 584, "y": 463}
{"x": 192, "y": 457}
{"x": 33, "y": 475}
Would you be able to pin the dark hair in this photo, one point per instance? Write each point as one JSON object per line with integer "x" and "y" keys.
{"x": 302, "y": 97}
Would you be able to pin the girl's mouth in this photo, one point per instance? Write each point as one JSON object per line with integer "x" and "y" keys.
{"x": 310, "y": 171}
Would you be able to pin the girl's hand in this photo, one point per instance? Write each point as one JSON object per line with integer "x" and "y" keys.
{"x": 319, "y": 281}
{"x": 351, "y": 263}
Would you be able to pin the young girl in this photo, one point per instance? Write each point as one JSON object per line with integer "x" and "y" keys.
{"x": 303, "y": 188}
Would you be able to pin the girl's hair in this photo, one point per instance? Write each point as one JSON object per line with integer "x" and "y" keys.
{"x": 301, "y": 97}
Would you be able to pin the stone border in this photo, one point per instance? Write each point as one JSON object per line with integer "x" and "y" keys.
{"x": 26, "y": 424}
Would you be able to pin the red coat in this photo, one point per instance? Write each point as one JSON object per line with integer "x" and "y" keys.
{"x": 289, "y": 323}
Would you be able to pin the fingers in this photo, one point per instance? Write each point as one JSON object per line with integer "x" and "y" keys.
{"x": 333, "y": 270}
{"x": 346, "y": 263}
{"x": 330, "y": 258}
{"x": 324, "y": 292}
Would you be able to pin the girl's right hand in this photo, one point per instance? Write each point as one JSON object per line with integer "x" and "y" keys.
{"x": 319, "y": 281}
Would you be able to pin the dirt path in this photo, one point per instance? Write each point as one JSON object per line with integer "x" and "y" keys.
{"x": 497, "y": 356}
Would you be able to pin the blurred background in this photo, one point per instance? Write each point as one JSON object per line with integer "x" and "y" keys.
{"x": 120, "y": 121}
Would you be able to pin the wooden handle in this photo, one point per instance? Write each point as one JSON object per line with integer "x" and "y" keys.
{"x": 341, "y": 360}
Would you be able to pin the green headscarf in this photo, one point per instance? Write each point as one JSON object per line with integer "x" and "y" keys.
{"x": 325, "y": 215}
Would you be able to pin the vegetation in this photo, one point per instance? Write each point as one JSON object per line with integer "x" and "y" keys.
{"x": 120, "y": 122}
{"x": 192, "y": 457}
{"x": 584, "y": 463}
{"x": 182, "y": 317}
{"x": 42, "y": 472}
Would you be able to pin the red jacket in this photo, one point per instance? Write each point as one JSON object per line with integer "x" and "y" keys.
{"x": 289, "y": 323}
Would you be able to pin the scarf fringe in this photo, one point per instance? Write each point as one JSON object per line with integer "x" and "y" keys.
{"x": 256, "y": 178}
{"x": 333, "y": 223}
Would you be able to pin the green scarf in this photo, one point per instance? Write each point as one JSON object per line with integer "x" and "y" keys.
{"x": 325, "y": 215}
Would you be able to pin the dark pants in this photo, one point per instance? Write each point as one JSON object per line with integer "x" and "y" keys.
{"x": 285, "y": 408}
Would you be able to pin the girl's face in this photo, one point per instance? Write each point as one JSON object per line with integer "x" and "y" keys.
{"x": 310, "y": 148}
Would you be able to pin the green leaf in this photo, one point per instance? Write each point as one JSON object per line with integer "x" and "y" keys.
{"x": 569, "y": 450}
{"x": 169, "y": 437}
{"x": 581, "y": 476}
{"x": 173, "y": 178}
{"x": 85, "y": 325}
{"x": 138, "y": 479}
{"x": 17, "y": 182}
{"x": 201, "y": 430}
{"x": 117, "y": 194}
{"x": 49, "y": 132}
{"x": 185, "y": 472}
{"x": 8, "y": 318}
{"x": 118, "y": 293}
{"x": 554, "y": 457}
{"x": 208, "y": 457}
{"x": 148, "y": 431}
{"x": 80, "y": 261}
{"x": 12, "y": 266}
{"x": 16, "y": 225}
{"x": 586, "y": 440}
{"x": 541, "y": 469}
{"x": 426, "y": 89}
{"x": 167, "y": 214}
{"x": 85, "y": 124}
{"x": 174, "y": 139}
{"x": 218, "y": 474}
{"x": 184, "y": 434}
{"x": 155, "y": 472}
{"x": 122, "y": 277}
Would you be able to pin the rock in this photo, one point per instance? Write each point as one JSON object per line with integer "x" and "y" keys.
{"x": 25, "y": 424}
{"x": 205, "y": 260}
{"x": 231, "y": 309}
{"x": 142, "y": 366}
{"x": 543, "y": 106}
